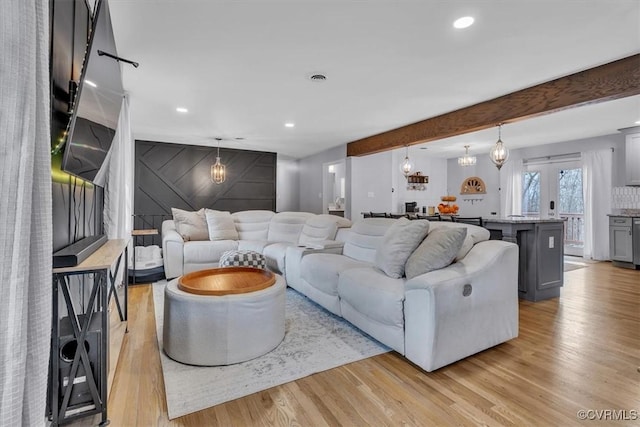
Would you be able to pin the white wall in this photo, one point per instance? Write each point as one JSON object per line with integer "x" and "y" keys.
{"x": 370, "y": 189}
{"x": 287, "y": 184}
{"x": 486, "y": 170}
{"x": 433, "y": 167}
{"x": 310, "y": 175}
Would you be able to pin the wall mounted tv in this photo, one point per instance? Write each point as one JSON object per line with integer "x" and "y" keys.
{"x": 97, "y": 102}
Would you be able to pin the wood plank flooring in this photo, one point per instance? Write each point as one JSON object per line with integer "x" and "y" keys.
{"x": 577, "y": 352}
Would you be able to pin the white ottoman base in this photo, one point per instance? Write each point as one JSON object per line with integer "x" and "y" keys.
{"x": 222, "y": 330}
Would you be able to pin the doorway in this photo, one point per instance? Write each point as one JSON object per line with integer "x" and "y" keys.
{"x": 333, "y": 187}
{"x": 554, "y": 190}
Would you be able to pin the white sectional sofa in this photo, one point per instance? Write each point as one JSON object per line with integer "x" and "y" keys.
{"x": 262, "y": 231}
{"x": 433, "y": 319}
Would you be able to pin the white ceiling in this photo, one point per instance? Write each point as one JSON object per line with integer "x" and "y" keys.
{"x": 242, "y": 67}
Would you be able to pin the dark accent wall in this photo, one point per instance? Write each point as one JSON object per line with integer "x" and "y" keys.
{"x": 176, "y": 175}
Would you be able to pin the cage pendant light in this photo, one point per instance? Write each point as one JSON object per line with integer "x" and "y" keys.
{"x": 466, "y": 160}
{"x": 406, "y": 166}
{"x": 218, "y": 172}
{"x": 499, "y": 154}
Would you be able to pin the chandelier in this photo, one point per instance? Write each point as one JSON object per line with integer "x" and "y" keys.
{"x": 218, "y": 174}
{"x": 499, "y": 154}
{"x": 466, "y": 160}
{"x": 406, "y": 166}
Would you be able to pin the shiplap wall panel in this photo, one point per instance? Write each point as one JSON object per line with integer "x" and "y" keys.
{"x": 175, "y": 175}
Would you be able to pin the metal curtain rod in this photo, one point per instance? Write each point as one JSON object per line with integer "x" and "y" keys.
{"x": 567, "y": 156}
{"x": 117, "y": 58}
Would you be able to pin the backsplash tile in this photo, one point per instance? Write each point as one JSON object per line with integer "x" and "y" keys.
{"x": 626, "y": 198}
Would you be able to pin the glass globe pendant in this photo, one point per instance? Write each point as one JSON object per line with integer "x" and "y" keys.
{"x": 499, "y": 154}
{"x": 406, "y": 166}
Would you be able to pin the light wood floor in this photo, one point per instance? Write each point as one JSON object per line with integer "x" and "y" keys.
{"x": 578, "y": 352}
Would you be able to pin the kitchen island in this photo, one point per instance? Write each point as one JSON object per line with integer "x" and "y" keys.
{"x": 541, "y": 258}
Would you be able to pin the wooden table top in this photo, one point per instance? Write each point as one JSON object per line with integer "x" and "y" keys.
{"x": 226, "y": 281}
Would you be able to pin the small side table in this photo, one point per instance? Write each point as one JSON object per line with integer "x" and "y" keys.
{"x": 136, "y": 234}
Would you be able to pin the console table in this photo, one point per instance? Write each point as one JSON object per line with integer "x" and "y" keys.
{"x": 79, "y": 373}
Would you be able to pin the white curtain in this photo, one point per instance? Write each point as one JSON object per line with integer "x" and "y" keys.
{"x": 116, "y": 176}
{"x": 26, "y": 212}
{"x": 511, "y": 188}
{"x": 596, "y": 191}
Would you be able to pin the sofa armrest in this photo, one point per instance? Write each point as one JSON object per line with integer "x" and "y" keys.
{"x": 293, "y": 259}
{"x": 462, "y": 309}
{"x": 172, "y": 250}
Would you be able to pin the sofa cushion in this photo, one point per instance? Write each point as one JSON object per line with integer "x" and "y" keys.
{"x": 286, "y": 226}
{"x": 399, "y": 242}
{"x": 437, "y": 251}
{"x": 322, "y": 270}
{"x": 252, "y": 225}
{"x": 190, "y": 225}
{"x": 207, "y": 252}
{"x": 275, "y": 255}
{"x": 220, "y": 225}
{"x": 317, "y": 229}
{"x": 475, "y": 235}
{"x": 365, "y": 237}
{"x": 253, "y": 245}
{"x": 373, "y": 294}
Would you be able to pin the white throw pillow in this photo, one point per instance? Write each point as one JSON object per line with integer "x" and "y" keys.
{"x": 190, "y": 225}
{"x": 437, "y": 251}
{"x": 400, "y": 240}
{"x": 221, "y": 225}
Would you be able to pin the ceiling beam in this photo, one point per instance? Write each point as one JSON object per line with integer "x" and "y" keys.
{"x": 606, "y": 82}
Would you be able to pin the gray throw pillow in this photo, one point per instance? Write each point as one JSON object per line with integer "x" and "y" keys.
{"x": 437, "y": 251}
{"x": 400, "y": 240}
{"x": 191, "y": 225}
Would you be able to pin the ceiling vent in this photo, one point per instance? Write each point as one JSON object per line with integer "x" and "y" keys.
{"x": 318, "y": 77}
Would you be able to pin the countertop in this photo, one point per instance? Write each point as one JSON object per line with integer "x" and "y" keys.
{"x": 629, "y": 213}
{"x": 522, "y": 220}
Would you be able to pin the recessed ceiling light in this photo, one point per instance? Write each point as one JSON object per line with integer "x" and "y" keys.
{"x": 638, "y": 122}
{"x": 289, "y": 125}
{"x": 464, "y": 22}
{"x": 90, "y": 83}
{"x": 182, "y": 110}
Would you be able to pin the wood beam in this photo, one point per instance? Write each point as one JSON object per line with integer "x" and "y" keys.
{"x": 606, "y": 82}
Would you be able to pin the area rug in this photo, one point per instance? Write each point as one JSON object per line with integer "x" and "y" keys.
{"x": 315, "y": 341}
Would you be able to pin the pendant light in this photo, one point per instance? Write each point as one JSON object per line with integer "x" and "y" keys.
{"x": 406, "y": 166}
{"x": 499, "y": 154}
{"x": 466, "y": 160}
{"x": 218, "y": 174}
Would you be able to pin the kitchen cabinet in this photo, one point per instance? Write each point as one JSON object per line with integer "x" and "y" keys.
{"x": 632, "y": 158}
{"x": 620, "y": 239}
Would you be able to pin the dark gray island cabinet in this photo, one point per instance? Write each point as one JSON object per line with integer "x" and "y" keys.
{"x": 541, "y": 259}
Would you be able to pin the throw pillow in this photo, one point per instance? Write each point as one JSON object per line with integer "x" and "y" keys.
{"x": 221, "y": 225}
{"x": 400, "y": 240}
{"x": 437, "y": 251}
{"x": 190, "y": 225}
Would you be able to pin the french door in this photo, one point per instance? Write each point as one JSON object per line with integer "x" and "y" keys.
{"x": 554, "y": 190}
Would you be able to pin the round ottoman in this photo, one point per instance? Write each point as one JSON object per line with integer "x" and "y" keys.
{"x": 213, "y": 330}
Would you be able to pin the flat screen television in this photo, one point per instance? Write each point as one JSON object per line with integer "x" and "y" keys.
{"x": 97, "y": 102}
